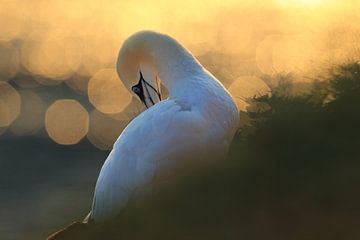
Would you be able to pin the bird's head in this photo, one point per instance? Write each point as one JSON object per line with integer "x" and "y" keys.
{"x": 137, "y": 71}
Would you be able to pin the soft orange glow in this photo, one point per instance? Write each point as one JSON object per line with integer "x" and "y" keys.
{"x": 104, "y": 130}
{"x": 66, "y": 121}
{"x": 107, "y": 93}
{"x": 301, "y": 3}
{"x": 76, "y": 43}
{"x": 62, "y": 38}
{"x": 53, "y": 59}
{"x": 247, "y": 87}
{"x": 4, "y": 115}
{"x": 79, "y": 84}
{"x": 9, "y": 60}
{"x": 264, "y": 53}
{"x": 9, "y": 104}
{"x": 31, "y": 118}
{"x": 294, "y": 53}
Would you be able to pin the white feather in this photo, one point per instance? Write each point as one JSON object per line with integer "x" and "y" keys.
{"x": 198, "y": 120}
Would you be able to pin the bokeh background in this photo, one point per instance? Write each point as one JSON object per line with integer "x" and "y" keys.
{"x": 62, "y": 105}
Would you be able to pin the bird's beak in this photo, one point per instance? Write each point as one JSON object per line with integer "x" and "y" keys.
{"x": 149, "y": 93}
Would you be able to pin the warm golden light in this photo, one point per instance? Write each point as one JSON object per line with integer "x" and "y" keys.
{"x": 72, "y": 46}
{"x": 11, "y": 20}
{"x": 300, "y": 3}
{"x": 9, "y": 104}
{"x": 29, "y": 56}
{"x": 4, "y": 115}
{"x": 78, "y": 83}
{"x": 104, "y": 130}
{"x": 52, "y": 56}
{"x": 264, "y": 53}
{"x": 294, "y": 53}
{"x": 98, "y": 53}
{"x": 31, "y": 117}
{"x": 246, "y": 87}
{"x": 9, "y": 60}
{"x": 107, "y": 93}
{"x": 66, "y": 121}
{"x": 83, "y": 37}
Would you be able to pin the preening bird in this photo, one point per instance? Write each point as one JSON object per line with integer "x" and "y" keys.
{"x": 197, "y": 121}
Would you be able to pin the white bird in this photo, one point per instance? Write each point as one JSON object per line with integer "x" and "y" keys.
{"x": 197, "y": 121}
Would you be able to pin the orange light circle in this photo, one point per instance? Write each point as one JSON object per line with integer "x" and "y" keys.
{"x": 104, "y": 129}
{"x": 246, "y": 87}
{"x": 9, "y": 104}
{"x": 31, "y": 117}
{"x": 107, "y": 93}
{"x": 9, "y": 60}
{"x": 66, "y": 121}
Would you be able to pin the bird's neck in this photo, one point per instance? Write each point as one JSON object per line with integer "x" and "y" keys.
{"x": 186, "y": 79}
{"x": 192, "y": 86}
{"x": 176, "y": 67}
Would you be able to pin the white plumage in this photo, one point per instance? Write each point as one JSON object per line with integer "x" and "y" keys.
{"x": 197, "y": 121}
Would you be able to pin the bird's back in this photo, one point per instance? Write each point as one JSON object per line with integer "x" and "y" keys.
{"x": 154, "y": 142}
{"x": 197, "y": 121}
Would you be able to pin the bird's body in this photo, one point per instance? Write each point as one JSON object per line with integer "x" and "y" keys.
{"x": 197, "y": 121}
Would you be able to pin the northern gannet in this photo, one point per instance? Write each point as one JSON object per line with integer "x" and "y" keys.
{"x": 197, "y": 121}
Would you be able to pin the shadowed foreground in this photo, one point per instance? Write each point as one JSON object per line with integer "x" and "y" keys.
{"x": 293, "y": 173}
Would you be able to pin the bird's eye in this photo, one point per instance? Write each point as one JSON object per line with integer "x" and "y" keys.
{"x": 136, "y": 89}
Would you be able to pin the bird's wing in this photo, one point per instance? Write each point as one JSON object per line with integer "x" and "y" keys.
{"x": 151, "y": 141}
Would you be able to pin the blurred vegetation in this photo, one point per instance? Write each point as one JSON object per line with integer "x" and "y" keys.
{"x": 292, "y": 173}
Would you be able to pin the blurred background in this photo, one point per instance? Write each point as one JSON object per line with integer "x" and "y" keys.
{"x": 291, "y": 65}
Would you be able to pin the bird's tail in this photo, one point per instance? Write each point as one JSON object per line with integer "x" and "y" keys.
{"x": 88, "y": 218}
{"x": 75, "y": 231}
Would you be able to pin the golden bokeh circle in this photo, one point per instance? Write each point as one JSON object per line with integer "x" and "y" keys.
{"x": 105, "y": 129}
{"x": 264, "y": 53}
{"x": 51, "y": 60}
{"x": 9, "y": 60}
{"x": 29, "y": 56}
{"x": 31, "y": 117}
{"x": 4, "y": 115}
{"x": 233, "y": 41}
{"x": 78, "y": 83}
{"x": 294, "y": 53}
{"x": 9, "y": 104}
{"x": 246, "y": 87}
{"x": 66, "y": 121}
{"x": 104, "y": 56}
{"x": 11, "y": 20}
{"x": 107, "y": 93}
